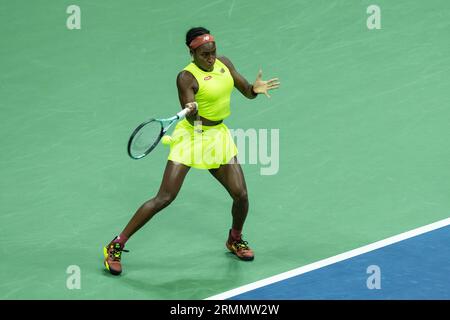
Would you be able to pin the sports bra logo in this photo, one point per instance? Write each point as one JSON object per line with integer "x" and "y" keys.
{"x": 207, "y": 78}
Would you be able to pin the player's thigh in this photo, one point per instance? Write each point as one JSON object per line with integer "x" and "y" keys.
{"x": 173, "y": 178}
{"x": 232, "y": 178}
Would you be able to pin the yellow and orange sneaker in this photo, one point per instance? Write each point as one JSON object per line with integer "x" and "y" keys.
{"x": 113, "y": 254}
{"x": 240, "y": 248}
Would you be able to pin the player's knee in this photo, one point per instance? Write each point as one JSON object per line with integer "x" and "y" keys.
{"x": 164, "y": 199}
{"x": 240, "y": 196}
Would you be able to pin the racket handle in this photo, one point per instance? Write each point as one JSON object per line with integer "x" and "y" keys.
{"x": 182, "y": 114}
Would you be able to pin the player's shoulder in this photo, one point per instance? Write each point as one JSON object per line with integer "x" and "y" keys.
{"x": 186, "y": 80}
{"x": 226, "y": 62}
{"x": 184, "y": 76}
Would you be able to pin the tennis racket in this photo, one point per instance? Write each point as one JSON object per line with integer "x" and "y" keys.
{"x": 147, "y": 135}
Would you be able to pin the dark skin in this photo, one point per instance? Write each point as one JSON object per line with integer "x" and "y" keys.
{"x": 229, "y": 175}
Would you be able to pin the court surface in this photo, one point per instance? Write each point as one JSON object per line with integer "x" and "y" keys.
{"x": 363, "y": 122}
{"x": 371, "y": 272}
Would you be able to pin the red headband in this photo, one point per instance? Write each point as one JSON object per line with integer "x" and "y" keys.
{"x": 197, "y": 42}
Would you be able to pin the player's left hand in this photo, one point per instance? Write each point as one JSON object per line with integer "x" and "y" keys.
{"x": 262, "y": 86}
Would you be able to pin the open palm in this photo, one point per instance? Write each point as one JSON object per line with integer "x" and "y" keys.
{"x": 262, "y": 86}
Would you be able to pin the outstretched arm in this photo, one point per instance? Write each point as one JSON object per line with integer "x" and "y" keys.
{"x": 250, "y": 90}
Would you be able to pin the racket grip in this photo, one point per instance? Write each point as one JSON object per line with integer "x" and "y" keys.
{"x": 182, "y": 114}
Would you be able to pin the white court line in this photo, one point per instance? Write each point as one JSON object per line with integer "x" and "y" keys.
{"x": 331, "y": 260}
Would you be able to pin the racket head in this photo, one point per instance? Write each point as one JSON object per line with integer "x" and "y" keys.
{"x": 145, "y": 138}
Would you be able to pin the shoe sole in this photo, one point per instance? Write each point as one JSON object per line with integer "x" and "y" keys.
{"x": 105, "y": 254}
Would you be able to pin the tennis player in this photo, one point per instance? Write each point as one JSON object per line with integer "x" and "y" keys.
{"x": 204, "y": 87}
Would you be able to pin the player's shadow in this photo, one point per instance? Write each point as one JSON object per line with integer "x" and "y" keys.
{"x": 150, "y": 277}
{"x": 180, "y": 288}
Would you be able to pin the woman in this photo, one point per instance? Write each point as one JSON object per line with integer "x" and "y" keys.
{"x": 201, "y": 141}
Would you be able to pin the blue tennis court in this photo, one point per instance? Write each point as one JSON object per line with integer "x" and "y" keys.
{"x": 414, "y": 268}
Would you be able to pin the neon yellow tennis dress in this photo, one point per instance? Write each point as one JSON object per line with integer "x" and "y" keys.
{"x": 206, "y": 147}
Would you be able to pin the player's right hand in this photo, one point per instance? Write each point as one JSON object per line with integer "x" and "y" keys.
{"x": 192, "y": 108}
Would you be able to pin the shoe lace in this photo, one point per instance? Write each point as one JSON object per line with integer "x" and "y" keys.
{"x": 116, "y": 251}
{"x": 241, "y": 244}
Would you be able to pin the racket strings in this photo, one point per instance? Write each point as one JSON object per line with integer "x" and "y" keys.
{"x": 145, "y": 139}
